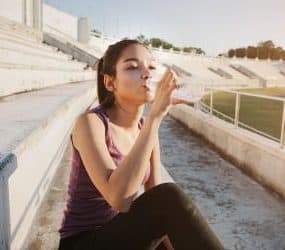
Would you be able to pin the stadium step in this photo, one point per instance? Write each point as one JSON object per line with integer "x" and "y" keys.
{"x": 22, "y": 78}
{"x": 34, "y": 128}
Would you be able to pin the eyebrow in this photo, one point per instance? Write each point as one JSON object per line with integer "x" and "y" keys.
{"x": 131, "y": 59}
{"x": 134, "y": 59}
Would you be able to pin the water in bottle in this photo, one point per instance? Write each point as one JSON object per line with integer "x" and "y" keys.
{"x": 189, "y": 88}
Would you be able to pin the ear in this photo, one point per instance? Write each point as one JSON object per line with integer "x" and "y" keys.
{"x": 108, "y": 82}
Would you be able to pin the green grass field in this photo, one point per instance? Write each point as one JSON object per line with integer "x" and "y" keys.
{"x": 262, "y": 114}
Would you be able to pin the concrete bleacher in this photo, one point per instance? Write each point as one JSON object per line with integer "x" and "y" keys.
{"x": 79, "y": 51}
{"x": 42, "y": 91}
{"x": 226, "y": 72}
{"x": 19, "y": 30}
{"x": 221, "y": 72}
{"x": 26, "y": 63}
{"x": 245, "y": 71}
{"x": 34, "y": 129}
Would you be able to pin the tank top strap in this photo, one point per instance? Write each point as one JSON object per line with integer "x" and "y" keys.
{"x": 101, "y": 113}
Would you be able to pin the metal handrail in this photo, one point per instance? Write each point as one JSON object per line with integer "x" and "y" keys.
{"x": 241, "y": 124}
{"x": 259, "y": 132}
{"x": 236, "y": 121}
{"x": 218, "y": 112}
{"x": 253, "y": 95}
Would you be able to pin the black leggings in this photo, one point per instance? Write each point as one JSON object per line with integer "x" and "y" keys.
{"x": 162, "y": 210}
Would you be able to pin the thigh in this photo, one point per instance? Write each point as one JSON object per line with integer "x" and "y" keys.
{"x": 128, "y": 231}
{"x": 140, "y": 228}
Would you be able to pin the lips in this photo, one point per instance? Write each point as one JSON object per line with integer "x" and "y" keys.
{"x": 147, "y": 85}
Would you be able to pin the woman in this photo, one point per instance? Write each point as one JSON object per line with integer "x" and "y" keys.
{"x": 115, "y": 152}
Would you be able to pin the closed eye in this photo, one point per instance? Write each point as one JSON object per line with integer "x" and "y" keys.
{"x": 132, "y": 67}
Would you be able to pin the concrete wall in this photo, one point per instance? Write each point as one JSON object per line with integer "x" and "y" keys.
{"x": 84, "y": 28}
{"x": 12, "y": 9}
{"x": 261, "y": 158}
{"x": 37, "y": 14}
{"x": 28, "y": 12}
{"x": 59, "y": 22}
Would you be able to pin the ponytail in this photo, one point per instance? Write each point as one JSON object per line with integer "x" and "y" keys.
{"x": 106, "y": 98}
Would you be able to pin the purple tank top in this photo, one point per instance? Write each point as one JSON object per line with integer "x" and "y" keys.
{"x": 86, "y": 209}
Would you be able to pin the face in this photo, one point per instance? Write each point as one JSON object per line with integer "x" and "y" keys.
{"x": 135, "y": 67}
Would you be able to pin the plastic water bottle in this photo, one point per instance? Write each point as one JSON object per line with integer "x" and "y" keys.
{"x": 189, "y": 88}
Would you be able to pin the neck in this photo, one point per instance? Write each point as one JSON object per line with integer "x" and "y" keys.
{"x": 126, "y": 115}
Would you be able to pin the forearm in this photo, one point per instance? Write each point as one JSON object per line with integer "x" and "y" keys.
{"x": 127, "y": 178}
{"x": 167, "y": 243}
{"x": 155, "y": 173}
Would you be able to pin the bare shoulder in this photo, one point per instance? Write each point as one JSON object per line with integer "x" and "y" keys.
{"x": 86, "y": 126}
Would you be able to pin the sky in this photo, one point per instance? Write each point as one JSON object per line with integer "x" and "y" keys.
{"x": 213, "y": 25}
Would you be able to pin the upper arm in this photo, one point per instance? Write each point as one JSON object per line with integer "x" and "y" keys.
{"x": 89, "y": 139}
{"x": 155, "y": 171}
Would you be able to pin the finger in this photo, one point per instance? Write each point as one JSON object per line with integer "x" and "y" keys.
{"x": 175, "y": 101}
{"x": 167, "y": 82}
{"x": 162, "y": 80}
{"x": 177, "y": 71}
{"x": 173, "y": 83}
{"x": 167, "y": 77}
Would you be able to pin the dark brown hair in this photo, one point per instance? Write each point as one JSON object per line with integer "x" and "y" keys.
{"x": 107, "y": 65}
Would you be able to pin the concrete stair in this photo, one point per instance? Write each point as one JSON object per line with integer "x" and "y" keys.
{"x": 27, "y": 64}
{"x": 80, "y": 52}
{"x": 42, "y": 91}
{"x": 226, "y": 72}
{"x": 34, "y": 128}
{"x": 19, "y": 29}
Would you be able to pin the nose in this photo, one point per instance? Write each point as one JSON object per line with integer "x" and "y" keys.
{"x": 145, "y": 73}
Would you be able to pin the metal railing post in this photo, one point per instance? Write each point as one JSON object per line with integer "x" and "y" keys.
{"x": 8, "y": 164}
{"x": 282, "y": 141}
{"x": 237, "y": 108}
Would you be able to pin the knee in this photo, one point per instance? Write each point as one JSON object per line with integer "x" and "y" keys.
{"x": 167, "y": 190}
{"x": 173, "y": 197}
{"x": 170, "y": 193}
{"x": 165, "y": 196}
{"x": 158, "y": 195}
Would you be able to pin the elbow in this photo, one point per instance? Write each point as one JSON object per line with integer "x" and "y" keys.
{"x": 119, "y": 204}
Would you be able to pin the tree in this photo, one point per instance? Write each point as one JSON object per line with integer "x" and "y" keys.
{"x": 200, "y": 51}
{"x": 263, "y": 52}
{"x": 176, "y": 49}
{"x": 187, "y": 49}
{"x": 241, "y": 52}
{"x": 166, "y": 45}
{"x": 267, "y": 44}
{"x": 274, "y": 54}
{"x": 156, "y": 42}
{"x": 283, "y": 55}
{"x": 143, "y": 39}
{"x": 251, "y": 52}
{"x": 231, "y": 53}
